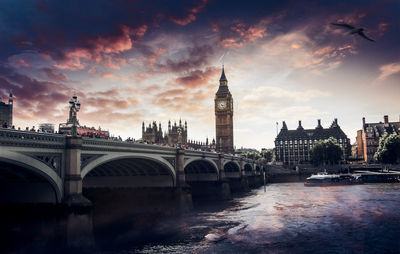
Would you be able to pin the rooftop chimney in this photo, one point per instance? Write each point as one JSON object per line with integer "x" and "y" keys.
{"x": 300, "y": 127}
{"x": 284, "y": 127}
{"x": 363, "y": 121}
{"x": 319, "y": 124}
{"x": 386, "y": 119}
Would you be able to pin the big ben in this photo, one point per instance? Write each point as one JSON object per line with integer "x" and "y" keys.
{"x": 224, "y": 117}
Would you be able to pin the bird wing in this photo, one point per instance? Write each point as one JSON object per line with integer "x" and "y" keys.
{"x": 343, "y": 25}
{"x": 366, "y": 37}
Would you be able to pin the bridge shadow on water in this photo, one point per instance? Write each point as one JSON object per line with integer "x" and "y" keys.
{"x": 121, "y": 219}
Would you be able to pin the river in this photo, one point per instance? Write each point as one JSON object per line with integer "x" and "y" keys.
{"x": 287, "y": 218}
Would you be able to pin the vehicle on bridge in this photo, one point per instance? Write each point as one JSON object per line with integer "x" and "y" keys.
{"x": 66, "y": 128}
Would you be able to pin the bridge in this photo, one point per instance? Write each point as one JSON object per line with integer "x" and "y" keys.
{"x": 52, "y": 168}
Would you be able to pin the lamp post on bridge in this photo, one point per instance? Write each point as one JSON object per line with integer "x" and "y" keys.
{"x": 179, "y": 137}
{"x": 74, "y": 106}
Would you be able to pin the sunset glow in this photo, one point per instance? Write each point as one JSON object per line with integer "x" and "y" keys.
{"x": 137, "y": 61}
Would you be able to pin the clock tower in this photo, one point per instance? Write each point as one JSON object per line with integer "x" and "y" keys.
{"x": 224, "y": 117}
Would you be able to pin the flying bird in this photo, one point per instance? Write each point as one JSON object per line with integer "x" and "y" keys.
{"x": 354, "y": 30}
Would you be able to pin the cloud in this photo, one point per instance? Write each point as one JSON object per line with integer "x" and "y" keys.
{"x": 239, "y": 34}
{"x": 190, "y": 16}
{"x": 95, "y": 48}
{"x": 22, "y": 62}
{"x": 53, "y": 75}
{"x": 192, "y": 57}
{"x": 263, "y": 97}
{"x": 388, "y": 70}
{"x": 198, "y": 78}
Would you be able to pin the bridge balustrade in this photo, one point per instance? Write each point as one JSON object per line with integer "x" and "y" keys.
{"x": 15, "y": 137}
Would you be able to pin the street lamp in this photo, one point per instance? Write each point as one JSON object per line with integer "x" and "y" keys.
{"x": 179, "y": 137}
{"x": 74, "y": 106}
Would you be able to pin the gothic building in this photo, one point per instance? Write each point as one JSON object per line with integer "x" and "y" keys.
{"x": 6, "y": 112}
{"x": 224, "y": 117}
{"x": 368, "y": 137}
{"x": 154, "y": 134}
{"x": 293, "y": 146}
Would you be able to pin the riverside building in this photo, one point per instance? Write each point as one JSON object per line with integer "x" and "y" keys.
{"x": 293, "y": 147}
{"x": 368, "y": 137}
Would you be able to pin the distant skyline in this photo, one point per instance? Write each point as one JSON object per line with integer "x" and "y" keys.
{"x": 135, "y": 61}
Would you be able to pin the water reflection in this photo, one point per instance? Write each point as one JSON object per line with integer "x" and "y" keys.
{"x": 287, "y": 218}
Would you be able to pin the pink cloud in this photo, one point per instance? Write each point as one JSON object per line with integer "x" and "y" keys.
{"x": 388, "y": 70}
{"x": 240, "y": 33}
{"x": 79, "y": 58}
{"x": 22, "y": 62}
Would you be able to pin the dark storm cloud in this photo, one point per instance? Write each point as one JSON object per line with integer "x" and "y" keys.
{"x": 195, "y": 57}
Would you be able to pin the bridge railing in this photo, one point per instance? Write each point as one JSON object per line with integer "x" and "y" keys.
{"x": 9, "y": 136}
{"x": 93, "y": 142}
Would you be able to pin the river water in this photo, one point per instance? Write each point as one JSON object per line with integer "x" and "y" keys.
{"x": 287, "y": 218}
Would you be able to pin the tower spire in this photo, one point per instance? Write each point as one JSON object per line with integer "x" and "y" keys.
{"x": 223, "y": 78}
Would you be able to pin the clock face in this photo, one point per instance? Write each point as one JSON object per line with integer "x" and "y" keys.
{"x": 221, "y": 104}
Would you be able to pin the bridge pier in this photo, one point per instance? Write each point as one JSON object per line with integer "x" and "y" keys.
{"x": 254, "y": 181}
{"x": 72, "y": 180}
{"x": 183, "y": 191}
{"x": 219, "y": 190}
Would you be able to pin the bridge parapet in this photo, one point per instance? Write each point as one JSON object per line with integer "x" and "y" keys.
{"x": 26, "y": 138}
{"x": 112, "y": 145}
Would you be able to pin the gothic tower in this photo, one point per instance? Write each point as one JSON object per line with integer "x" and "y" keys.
{"x": 224, "y": 116}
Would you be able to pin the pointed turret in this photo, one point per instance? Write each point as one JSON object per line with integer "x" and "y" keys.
{"x": 223, "y": 83}
{"x": 10, "y": 99}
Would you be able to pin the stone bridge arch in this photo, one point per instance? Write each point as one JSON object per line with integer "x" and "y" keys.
{"x": 41, "y": 183}
{"x": 248, "y": 167}
{"x": 198, "y": 170}
{"x": 129, "y": 170}
{"x": 232, "y": 169}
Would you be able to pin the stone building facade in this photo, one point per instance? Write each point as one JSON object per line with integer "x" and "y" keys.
{"x": 6, "y": 113}
{"x": 293, "y": 147}
{"x": 368, "y": 137}
{"x": 154, "y": 134}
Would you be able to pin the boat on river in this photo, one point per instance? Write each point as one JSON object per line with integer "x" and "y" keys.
{"x": 324, "y": 179}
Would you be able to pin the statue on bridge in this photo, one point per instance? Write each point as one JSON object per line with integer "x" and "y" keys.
{"x": 74, "y": 106}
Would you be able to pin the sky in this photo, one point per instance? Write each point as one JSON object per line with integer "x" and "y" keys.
{"x": 135, "y": 61}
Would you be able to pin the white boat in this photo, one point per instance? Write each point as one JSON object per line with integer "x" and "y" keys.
{"x": 324, "y": 179}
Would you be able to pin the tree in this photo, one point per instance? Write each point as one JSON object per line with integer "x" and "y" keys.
{"x": 326, "y": 151}
{"x": 252, "y": 155}
{"x": 389, "y": 149}
{"x": 267, "y": 154}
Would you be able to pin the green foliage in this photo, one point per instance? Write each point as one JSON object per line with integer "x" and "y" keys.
{"x": 252, "y": 155}
{"x": 389, "y": 149}
{"x": 326, "y": 151}
{"x": 267, "y": 154}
